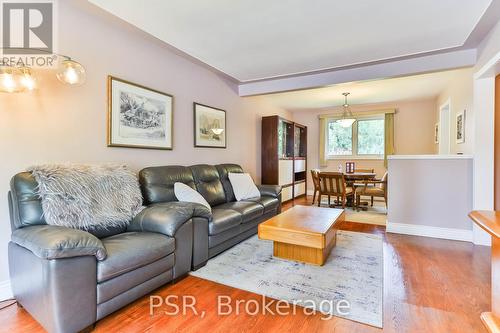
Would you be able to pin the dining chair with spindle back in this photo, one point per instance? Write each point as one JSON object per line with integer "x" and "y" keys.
{"x": 334, "y": 184}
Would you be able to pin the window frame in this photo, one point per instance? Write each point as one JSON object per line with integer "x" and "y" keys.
{"x": 354, "y": 155}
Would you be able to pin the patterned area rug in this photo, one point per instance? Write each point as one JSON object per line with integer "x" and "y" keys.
{"x": 353, "y": 272}
{"x": 372, "y": 215}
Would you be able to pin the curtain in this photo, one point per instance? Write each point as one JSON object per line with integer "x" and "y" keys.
{"x": 322, "y": 143}
{"x": 389, "y": 136}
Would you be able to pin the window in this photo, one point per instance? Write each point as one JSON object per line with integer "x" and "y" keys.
{"x": 364, "y": 139}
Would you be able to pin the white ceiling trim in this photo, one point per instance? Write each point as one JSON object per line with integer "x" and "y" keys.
{"x": 413, "y": 66}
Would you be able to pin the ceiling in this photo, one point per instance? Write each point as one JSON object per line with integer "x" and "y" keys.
{"x": 367, "y": 92}
{"x": 258, "y": 39}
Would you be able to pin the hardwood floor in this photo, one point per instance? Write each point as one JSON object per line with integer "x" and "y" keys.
{"x": 430, "y": 285}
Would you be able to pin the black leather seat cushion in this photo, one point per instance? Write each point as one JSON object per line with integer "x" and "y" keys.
{"x": 248, "y": 209}
{"x": 222, "y": 220}
{"x": 131, "y": 250}
{"x": 269, "y": 203}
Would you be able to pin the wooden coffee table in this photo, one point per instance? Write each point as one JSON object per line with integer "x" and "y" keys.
{"x": 303, "y": 233}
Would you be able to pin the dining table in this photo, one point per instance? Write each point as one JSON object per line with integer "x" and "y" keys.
{"x": 356, "y": 179}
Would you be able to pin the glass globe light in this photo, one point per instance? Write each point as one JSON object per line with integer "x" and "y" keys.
{"x": 10, "y": 80}
{"x": 27, "y": 79}
{"x": 71, "y": 72}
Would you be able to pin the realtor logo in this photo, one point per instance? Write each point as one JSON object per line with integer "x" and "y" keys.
{"x": 27, "y": 28}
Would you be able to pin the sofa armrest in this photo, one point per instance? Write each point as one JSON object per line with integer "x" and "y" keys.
{"x": 54, "y": 242}
{"x": 166, "y": 218}
{"x": 270, "y": 190}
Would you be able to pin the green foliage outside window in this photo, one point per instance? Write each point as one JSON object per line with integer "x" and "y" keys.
{"x": 371, "y": 137}
{"x": 339, "y": 139}
{"x": 364, "y": 137}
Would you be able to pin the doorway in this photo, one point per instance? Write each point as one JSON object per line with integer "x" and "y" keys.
{"x": 444, "y": 129}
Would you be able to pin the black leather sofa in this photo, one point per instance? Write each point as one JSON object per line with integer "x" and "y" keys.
{"x": 67, "y": 279}
{"x": 231, "y": 221}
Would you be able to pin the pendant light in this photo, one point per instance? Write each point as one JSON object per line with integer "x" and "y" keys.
{"x": 71, "y": 72}
{"x": 347, "y": 117}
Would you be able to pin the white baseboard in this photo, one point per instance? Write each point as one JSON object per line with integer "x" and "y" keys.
{"x": 5, "y": 291}
{"x": 428, "y": 231}
{"x": 309, "y": 192}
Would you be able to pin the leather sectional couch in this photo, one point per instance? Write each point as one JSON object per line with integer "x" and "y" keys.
{"x": 67, "y": 279}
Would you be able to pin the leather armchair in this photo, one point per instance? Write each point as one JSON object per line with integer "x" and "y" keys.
{"x": 67, "y": 279}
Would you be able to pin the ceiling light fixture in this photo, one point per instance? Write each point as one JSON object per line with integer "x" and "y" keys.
{"x": 347, "y": 117}
{"x": 21, "y": 79}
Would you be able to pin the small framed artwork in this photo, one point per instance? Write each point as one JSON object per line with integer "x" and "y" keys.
{"x": 460, "y": 117}
{"x": 436, "y": 133}
{"x": 209, "y": 126}
{"x": 138, "y": 117}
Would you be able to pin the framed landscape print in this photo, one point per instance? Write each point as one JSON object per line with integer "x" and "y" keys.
{"x": 460, "y": 127}
{"x": 209, "y": 126}
{"x": 138, "y": 117}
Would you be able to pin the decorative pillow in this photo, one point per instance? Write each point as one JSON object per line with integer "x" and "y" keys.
{"x": 243, "y": 186}
{"x": 187, "y": 194}
{"x": 95, "y": 198}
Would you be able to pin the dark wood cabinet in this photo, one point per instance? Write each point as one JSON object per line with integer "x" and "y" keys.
{"x": 284, "y": 156}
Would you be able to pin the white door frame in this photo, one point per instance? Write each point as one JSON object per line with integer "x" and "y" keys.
{"x": 446, "y": 104}
{"x": 484, "y": 142}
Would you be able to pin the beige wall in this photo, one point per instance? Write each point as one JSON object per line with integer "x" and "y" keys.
{"x": 459, "y": 92}
{"x": 416, "y": 192}
{"x": 61, "y": 124}
{"x": 413, "y": 131}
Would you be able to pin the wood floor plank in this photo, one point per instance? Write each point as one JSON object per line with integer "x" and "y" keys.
{"x": 430, "y": 285}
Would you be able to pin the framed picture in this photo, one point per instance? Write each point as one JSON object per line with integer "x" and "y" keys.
{"x": 209, "y": 126}
{"x": 138, "y": 117}
{"x": 436, "y": 133}
{"x": 460, "y": 117}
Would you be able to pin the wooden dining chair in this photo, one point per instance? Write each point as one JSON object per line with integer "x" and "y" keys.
{"x": 315, "y": 179}
{"x": 333, "y": 184}
{"x": 373, "y": 188}
{"x": 359, "y": 184}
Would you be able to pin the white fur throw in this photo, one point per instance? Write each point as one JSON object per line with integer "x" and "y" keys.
{"x": 88, "y": 196}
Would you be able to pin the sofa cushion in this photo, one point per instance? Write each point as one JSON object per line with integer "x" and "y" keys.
{"x": 249, "y": 210}
{"x": 223, "y": 219}
{"x": 131, "y": 250}
{"x": 185, "y": 193}
{"x": 207, "y": 182}
{"x": 157, "y": 183}
{"x": 243, "y": 186}
{"x": 269, "y": 203}
{"x": 224, "y": 170}
{"x": 26, "y": 204}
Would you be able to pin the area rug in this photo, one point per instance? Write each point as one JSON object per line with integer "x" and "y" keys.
{"x": 372, "y": 215}
{"x": 353, "y": 272}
